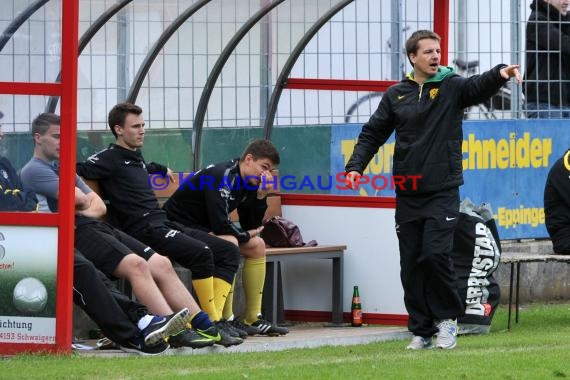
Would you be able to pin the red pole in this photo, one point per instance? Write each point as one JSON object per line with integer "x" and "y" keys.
{"x": 64, "y": 309}
{"x": 441, "y": 26}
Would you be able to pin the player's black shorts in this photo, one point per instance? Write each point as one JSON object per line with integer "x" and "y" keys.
{"x": 105, "y": 246}
{"x": 204, "y": 254}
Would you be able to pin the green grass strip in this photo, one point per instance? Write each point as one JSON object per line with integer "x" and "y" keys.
{"x": 536, "y": 348}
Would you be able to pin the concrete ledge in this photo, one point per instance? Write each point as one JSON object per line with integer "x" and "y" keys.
{"x": 301, "y": 336}
{"x": 527, "y": 246}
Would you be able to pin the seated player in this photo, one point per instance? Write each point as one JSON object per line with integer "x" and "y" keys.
{"x": 152, "y": 277}
{"x": 12, "y": 195}
{"x": 124, "y": 321}
{"x": 123, "y": 176}
{"x": 206, "y": 201}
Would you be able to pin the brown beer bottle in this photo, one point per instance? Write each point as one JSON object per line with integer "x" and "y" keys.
{"x": 356, "y": 308}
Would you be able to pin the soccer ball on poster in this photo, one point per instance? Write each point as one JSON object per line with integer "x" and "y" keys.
{"x": 30, "y": 295}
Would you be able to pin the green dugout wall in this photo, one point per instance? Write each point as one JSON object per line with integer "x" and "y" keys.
{"x": 304, "y": 150}
{"x": 505, "y": 161}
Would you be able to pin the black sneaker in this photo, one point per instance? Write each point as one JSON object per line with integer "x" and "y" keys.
{"x": 219, "y": 337}
{"x": 138, "y": 346}
{"x": 190, "y": 338}
{"x": 107, "y": 344}
{"x": 160, "y": 328}
{"x": 267, "y": 328}
{"x": 236, "y": 329}
{"x": 211, "y": 333}
{"x": 226, "y": 339}
{"x": 224, "y": 325}
{"x": 250, "y": 330}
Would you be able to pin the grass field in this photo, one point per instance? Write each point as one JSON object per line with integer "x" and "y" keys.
{"x": 536, "y": 348}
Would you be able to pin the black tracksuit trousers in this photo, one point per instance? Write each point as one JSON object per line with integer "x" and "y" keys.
{"x": 115, "y": 313}
{"x": 425, "y": 225}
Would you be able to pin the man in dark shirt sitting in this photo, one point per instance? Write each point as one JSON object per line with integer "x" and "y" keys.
{"x": 123, "y": 175}
{"x": 12, "y": 195}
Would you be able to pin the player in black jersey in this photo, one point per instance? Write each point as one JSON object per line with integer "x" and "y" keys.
{"x": 206, "y": 200}
{"x": 123, "y": 176}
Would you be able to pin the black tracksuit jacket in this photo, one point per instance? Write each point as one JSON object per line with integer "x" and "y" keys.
{"x": 124, "y": 179}
{"x": 557, "y": 198}
{"x": 12, "y": 197}
{"x": 428, "y": 123}
{"x": 207, "y": 198}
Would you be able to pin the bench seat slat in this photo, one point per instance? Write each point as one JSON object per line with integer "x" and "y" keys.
{"x": 515, "y": 259}
{"x": 519, "y": 257}
{"x": 319, "y": 248}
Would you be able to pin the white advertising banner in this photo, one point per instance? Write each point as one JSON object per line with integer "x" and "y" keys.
{"x": 27, "y": 330}
{"x": 28, "y": 273}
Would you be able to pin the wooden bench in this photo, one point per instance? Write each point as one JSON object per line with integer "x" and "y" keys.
{"x": 515, "y": 259}
{"x": 273, "y": 304}
{"x": 273, "y": 290}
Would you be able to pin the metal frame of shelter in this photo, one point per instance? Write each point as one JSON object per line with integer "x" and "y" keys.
{"x": 65, "y": 88}
{"x": 441, "y": 21}
{"x": 63, "y": 220}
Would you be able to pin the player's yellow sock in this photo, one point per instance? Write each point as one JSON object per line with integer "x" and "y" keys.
{"x": 221, "y": 290}
{"x": 253, "y": 281}
{"x": 229, "y": 305}
{"x": 204, "y": 288}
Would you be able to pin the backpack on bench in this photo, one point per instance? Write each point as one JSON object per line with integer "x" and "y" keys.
{"x": 280, "y": 232}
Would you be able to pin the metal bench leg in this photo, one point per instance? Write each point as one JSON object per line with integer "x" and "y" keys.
{"x": 337, "y": 285}
{"x": 275, "y": 294}
{"x": 269, "y": 291}
{"x": 510, "y": 296}
{"x": 280, "y": 316}
{"x": 517, "y": 293}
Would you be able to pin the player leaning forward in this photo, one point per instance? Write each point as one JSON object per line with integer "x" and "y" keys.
{"x": 426, "y": 111}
